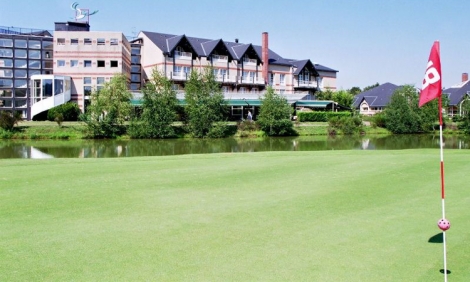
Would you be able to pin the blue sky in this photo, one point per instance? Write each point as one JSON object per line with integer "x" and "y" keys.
{"x": 367, "y": 41}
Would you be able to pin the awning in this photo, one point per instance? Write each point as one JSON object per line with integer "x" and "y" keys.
{"x": 313, "y": 103}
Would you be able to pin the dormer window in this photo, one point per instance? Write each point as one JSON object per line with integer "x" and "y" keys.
{"x": 181, "y": 54}
{"x": 248, "y": 61}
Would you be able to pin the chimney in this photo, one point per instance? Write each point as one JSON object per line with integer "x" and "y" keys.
{"x": 265, "y": 56}
{"x": 464, "y": 77}
{"x": 236, "y": 40}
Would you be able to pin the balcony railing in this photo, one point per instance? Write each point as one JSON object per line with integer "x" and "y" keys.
{"x": 247, "y": 61}
{"x": 183, "y": 55}
{"x": 251, "y": 80}
{"x": 306, "y": 83}
{"x": 220, "y": 58}
{"x": 225, "y": 78}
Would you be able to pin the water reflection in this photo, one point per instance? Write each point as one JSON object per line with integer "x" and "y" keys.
{"x": 132, "y": 148}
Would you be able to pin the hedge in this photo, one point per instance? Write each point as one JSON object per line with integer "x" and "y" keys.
{"x": 320, "y": 116}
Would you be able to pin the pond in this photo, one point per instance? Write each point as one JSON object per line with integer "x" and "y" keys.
{"x": 34, "y": 149}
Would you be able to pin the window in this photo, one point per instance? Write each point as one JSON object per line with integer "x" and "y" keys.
{"x": 135, "y": 60}
{"x": 87, "y": 64}
{"x": 282, "y": 78}
{"x": 20, "y": 64}
{"x": 135, "y": 69}
{"x": 20, "y": 93}
{"x": 242, "y": 90}
{"x": 254, "y": 90}
{"x": 271, "y": 78}
{"x": 20, "y": 103}
{"x": 6, "y": 62}
{"x": 33, "y": 72}
{"x": 61, "y": 63}
{"x": 135, "y": 77}
{"x": 74, "y": 63}
{"x": 6, "y": 93}
{"x": 6, "y": 82}
{"x": 100, "y": 63}
{"x": 21, "y": 83}
{"x": 100, "y": 41}
{"x": 47, "y": 45}
{"x": 34, "y": 54}
{"x": 100, "y": 80}
{"x": 6, "y": 52}
{"x": 135, "y": 51}
{"x": 34, "y": 44}
{"x": 87, "y": 41}
{"x": 186, "y": 69}
{"x": 21, "y": 43}
{"x": 114, "y": 64}
{"x": 47, "y": 65}
{"x": 20, "y": 53}
{"x": 114, "y": 41}
{"x": 87, "y": 80}
{"x": 6, "y": 73}
{"x": 74, "y": 41}
{"x": 6, "y": 42}
{"x": 87, "y": 90}
{"x": 5, "y": 103}
{"x": 225, "y": 89}
{"x": 34, "y": 64}
{"x": 135, "y": 86}
{"x": 47, "y": 54}
{"x": 19, "y": 73}
{"x": 60, "y": 41}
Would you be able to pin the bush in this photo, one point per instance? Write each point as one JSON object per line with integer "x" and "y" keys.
{"x": 69, "y": 111}
{"x": 8, "y": 120}
{"x": 318, "y": 116}
{"x": 379, "y": 120}
{"x": 347, "y": 125}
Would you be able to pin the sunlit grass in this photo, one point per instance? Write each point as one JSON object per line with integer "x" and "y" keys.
{"x": 280, "y": 216}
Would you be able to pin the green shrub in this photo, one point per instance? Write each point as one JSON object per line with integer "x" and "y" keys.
{"x": 347, "y": 125}
{"x": 69, "y": 111}
{"x": 320, "y": 116}
{"x": 8, "y": 120}
{"x": 379, "y": 120}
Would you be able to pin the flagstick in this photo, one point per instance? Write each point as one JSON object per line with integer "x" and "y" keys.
{"x": 442, "y": 187}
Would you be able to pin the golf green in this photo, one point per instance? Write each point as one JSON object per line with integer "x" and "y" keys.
{"x": 271, "y": 216}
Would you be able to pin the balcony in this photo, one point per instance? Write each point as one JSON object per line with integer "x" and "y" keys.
{"x": 249, "y": 62}
{"x": 251, "y": 80}
{"x": 305, "y": 83}
{"x": 178, "y": 75}
{"x": 183, "y": 55}
{"x": 220, "y": 58}
{"x": 225, "y": 78}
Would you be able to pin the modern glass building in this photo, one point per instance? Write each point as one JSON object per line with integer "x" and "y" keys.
{"x": 24, "y": 52}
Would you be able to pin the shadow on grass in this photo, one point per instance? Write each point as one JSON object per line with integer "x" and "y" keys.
{"x": 438, "y": 238}
{"x": 442, "y": 271}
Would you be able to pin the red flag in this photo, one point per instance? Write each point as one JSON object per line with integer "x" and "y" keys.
{"x": 432, "y": 83}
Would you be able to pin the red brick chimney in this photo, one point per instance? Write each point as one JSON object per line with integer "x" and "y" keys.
{"x": 265, "y": 56}
{"x": 464, "y": 77}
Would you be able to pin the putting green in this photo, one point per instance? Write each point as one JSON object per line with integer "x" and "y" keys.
{"x": 271, "y": 216}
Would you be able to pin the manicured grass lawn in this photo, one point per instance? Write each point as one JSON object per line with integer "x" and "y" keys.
{"x": 274, "y": 216}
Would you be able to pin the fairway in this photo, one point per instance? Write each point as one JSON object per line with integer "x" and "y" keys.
{"x": 270, "y": 216}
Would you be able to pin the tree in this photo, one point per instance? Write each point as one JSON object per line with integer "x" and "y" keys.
{"x": 326, "y": 95}
{"x": 355, "y": 90}
{"x": 343, "y": 98}
{"x": 370, "y": 87}
{"x": 275, "y": 114}
{"x": 205, "y": 105}
{"x": 402, "y": 114}
{"x": 109, "y": 109}
{"x": 158, "y": 109}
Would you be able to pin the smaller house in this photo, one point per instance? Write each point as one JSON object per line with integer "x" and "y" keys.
{"x": 374, "y": 100}
{"x": 458, "y": 94}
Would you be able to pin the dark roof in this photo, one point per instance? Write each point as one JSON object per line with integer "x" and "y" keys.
{"x": 323, "y": 68}
{"x": 376, "y": 97}
{"x": 457, "y": 92}
{"x": 205, "y": 47}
